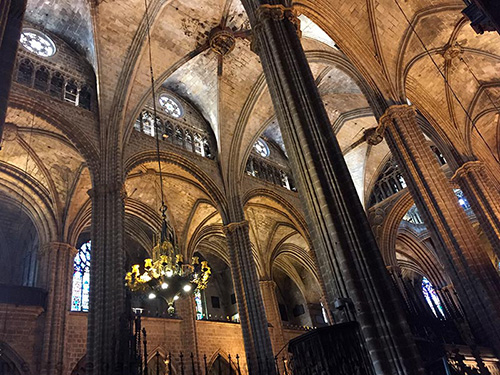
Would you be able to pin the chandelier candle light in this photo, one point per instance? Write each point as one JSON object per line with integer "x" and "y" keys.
{"x": 165, "y": 275}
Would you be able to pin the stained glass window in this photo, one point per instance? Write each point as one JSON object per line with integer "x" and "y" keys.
{"x": 261, "y": 148}
{"x": 462, "y": 200}
{"x": 432, "y": 298}
{"x": 170, "y": 105}
{"x": 38, "y": 43}
{"x": 81, "y": 279}
{"x": 199, "y": 305}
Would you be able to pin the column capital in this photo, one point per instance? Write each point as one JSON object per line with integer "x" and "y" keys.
{"x": 231, "y": 227}
{"x": 49, "y": 247}
{"x": 473, "y": 165}
{"x": 394, "y": 269}
{"x": 276, "y": 12}
{"x": 104, "y": 188}
{"x": 397, "y": 110}
{"x": 374, "y": 136}
{"x": 268, "y": 282}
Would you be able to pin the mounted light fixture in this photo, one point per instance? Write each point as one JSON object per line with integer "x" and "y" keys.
{"x": 165, "y": 275}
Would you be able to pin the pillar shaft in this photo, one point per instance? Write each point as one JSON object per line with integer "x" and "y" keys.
{"x": 457, "y": 245}
{"x": 483, "y": 196}
{"x": 107, "y": 335}
{"x": 350, "y": 261}
{"x": 11, "y": 19}
{"x": 253, "y": 319}
{"x": 268, "y": 289}
{"x": 55, "y": 275}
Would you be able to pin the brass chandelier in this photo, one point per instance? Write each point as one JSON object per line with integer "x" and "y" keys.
{"x": 165, "y": 275}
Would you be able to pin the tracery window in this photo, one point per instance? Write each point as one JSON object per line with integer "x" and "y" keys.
{"x": 81, "y": 279}
{"x": 38, "y": 43}
{"x": 388, "y": 183}
{"x": 261, "y": 148}
{"x": 25, "y": 72}
{"x": 170, "y": 105}
{"x": 432, "y": 298}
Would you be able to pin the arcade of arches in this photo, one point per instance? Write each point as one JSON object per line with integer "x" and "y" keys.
{"x": 331, "y": 160}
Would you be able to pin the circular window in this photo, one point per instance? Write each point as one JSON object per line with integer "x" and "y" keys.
{"x": 170, "y": 105}
{"x": 261, "y": 148}
{"x": 38, "y": 43}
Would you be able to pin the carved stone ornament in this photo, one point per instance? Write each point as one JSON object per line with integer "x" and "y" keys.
{"x": 279, "y": 13}
{"x": 222, "y": 41}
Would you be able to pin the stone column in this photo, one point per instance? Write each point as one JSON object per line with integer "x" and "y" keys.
{"x": 268, "y": 290}
{"x": 350, "y": 262}
{"x": 258, "y": 348}
{"x": 55, "y": 273}
{"x": 457, "y": 245}
{"x": 484, "y": 198}
{"x": 11, "y": 19}
{"x": 107, "y": 333}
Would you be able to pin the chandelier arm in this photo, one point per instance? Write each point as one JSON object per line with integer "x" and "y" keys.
{"x": 155, "y": 123}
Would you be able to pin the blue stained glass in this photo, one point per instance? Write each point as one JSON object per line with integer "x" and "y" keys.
{"x": 199, "y": 305}
{"x": 81, "y": 279}
{"x": 432, "y": 298}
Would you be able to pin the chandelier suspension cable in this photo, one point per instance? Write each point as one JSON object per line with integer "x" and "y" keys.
{"x": 446, "y": 82}
{"x": 155, "y": 122}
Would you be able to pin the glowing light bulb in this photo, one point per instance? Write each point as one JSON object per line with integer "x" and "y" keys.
{"x": 169, "y": 273}
{"x": 152, "y": 296}
{"x": 187, "y": 288}
{"x": 164, "y": 286}
{"x": 176, "y": 298}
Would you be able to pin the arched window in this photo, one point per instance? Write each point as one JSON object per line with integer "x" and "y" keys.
{"x": 42, "y": 79}
{"x": 432, "y": 298}
{"x": 25, "y": 72}
{"x": 71, "y": 92}
{"x": 56, "y": 85}
{"x": 84, "y": 99}
{"x": 81, "y": 279}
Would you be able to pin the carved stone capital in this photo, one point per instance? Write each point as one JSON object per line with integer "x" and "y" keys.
{"x": 101, "y": 189}
{"x": 394, "y": 270}
{"x": 470, "y": 166}
{"x": 50, "y": 247}
{"x": 231, "y": 227}
{"x": 278, "y": 13}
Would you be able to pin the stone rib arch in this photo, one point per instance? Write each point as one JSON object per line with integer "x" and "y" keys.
{"x": 14, "y": 359}
{"x": 211, "y": 188}
{"x": 14, "y": 185}
{"x": 84, "y": 143}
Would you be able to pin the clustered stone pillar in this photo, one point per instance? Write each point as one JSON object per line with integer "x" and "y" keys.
{"x": 350, "y": 262}
{"x": 484, "y": 198}
{"x": 258, "y": 348}
{"x": 457, "y": 245}
{"x": 55, "y": 275}
{"x": 107, "y": 350}
{"x": 11, "y": 19}
{"x": 268, "y": 289}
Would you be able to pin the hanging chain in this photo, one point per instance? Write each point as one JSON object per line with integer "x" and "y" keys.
{"x": 163, "y": 208}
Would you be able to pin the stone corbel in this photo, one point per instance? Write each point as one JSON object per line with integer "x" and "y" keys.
{"x": 231, "y": 227}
